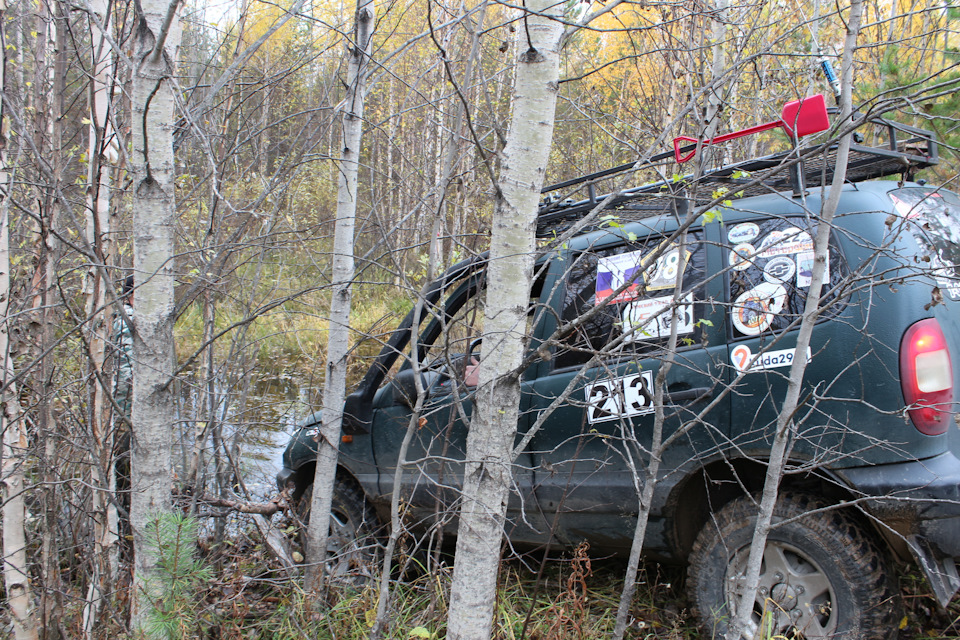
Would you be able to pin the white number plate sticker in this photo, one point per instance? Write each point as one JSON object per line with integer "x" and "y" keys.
{"x": 741, "y": 356}
{"x": 617, "y": 398}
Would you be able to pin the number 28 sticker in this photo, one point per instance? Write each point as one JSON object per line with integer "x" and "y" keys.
{"x": 617, "y": 398}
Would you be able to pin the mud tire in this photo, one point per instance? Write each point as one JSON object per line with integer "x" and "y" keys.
{"x": 846, "y": 591}
{"x": 353, "y": 546}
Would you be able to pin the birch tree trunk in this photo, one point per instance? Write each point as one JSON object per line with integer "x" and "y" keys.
{"x": 102, "y": 154}
{"x": 786, "y": 428}
{"x": 51, "y": 75}
{"x": 487, "y": 471}
{"x": 154, "y": 218}
{"x": 338, "y": 337}
{"x": 15, "y": 580}
{"x": 712, "y": 155}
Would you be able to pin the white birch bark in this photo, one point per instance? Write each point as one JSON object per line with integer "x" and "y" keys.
{"x": 52, "y": 68}
{"x": 338, "y": 337}
{"x": 715, "y": 101}
{"x": 100, "y": 138}
{"x": 786, "y": 428}
{"x": 16, "y": 582}
{"x": 154, "y": 218}
{"x": 493, "y": 428}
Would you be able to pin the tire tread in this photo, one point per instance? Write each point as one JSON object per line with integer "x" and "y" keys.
{"x": 864, "y": 563}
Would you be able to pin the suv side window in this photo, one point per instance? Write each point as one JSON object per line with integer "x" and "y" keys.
{"x": 771, "y": 263}
{"x": 634, "y": 321}
{"x": 933, "y": 218}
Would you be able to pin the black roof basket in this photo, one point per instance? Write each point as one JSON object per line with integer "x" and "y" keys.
{"x": 896, "y": 149}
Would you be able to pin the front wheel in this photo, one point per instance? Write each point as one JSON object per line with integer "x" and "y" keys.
{"x": 352, "y": 544}
{"x": 821, "y": 575}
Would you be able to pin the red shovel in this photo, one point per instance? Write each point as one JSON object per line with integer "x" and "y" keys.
{"x": 799, "y": 118}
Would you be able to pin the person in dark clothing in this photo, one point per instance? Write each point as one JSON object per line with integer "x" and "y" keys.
{"x": 123, "y": 396}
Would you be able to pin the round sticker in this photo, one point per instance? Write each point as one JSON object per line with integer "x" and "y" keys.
{"x": 780, "y": 269}
{"x": 743, "y": 232}
{"x": 784, "y": 242}
{"x": 753, "y": 310}
{"x": 772, "y": 239}
{"x": 740, "y": 256}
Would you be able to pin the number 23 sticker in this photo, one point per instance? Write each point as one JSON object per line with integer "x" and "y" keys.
{"x": 617, "y": 398}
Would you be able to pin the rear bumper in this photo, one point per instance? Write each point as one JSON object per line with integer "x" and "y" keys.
{"x": 918, "y": 502}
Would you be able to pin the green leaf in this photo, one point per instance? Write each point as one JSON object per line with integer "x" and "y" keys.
{"x": 610, "y": 220}
{"x": 420, "y": 632}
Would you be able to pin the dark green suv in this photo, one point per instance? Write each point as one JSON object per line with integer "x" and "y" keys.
{"x": 871, "y": 480}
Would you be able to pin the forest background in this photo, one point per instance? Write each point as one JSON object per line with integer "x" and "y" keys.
{"x": 258, "y": 89}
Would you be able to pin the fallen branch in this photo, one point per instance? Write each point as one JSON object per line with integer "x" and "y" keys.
{"x": 275, "y": 505}
{"x": 261, "y": 511}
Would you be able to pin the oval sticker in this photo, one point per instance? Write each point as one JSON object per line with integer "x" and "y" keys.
{"x": 743, "y": 232}
{"x": 779, "y": 269}
{"x": 753, "y": 310}
{"x": 740, "y": 256}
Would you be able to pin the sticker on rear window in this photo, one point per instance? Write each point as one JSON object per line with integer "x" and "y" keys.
{"x": 935, "y": 224}
{"x": 779, "y": 270}
{"x": 743, "y": 232}
{"x": 740, "y": 256}
{"x": 613, "y": 272}
{"x": 786, "y": 242}
{"x": 805, "y": 269}
{"x": 651, "y": 318}
{"x": 753, "y": 310}
{"x": 663, "y": 274}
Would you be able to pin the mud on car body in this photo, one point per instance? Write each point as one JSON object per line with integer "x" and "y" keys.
{"x": 871, "y": 481}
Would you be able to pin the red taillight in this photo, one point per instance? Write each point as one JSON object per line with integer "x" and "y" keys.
{"x": 926, "y": 376}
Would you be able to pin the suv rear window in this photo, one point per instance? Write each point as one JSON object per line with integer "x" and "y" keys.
{"x": 771, "y": 263}
{"x": 934, "y": 217}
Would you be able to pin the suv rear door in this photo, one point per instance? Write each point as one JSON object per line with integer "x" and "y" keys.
{"x": 769, "y": 263}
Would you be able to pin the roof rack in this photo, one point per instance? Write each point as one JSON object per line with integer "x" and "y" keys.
{"x": 897, "y": 149}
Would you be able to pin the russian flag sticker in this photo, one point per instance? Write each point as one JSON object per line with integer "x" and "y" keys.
{"x": 613, "y": 272}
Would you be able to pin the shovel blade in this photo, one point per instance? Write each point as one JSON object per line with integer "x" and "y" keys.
{"x": 806, "y": 116}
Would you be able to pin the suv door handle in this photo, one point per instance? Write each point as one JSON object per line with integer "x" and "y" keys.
{"x": 696, "y": 394}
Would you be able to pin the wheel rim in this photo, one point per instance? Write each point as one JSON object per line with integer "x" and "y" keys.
{"x": 795, "y": 597}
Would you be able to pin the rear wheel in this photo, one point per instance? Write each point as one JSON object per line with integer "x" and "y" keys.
{"x": 352, "y": 544}
{"x": 821, "y": 575}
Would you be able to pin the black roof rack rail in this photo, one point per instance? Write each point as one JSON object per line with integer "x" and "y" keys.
{"x": 897, "y": 149}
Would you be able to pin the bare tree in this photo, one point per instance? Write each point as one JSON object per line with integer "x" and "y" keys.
{"x": 102, "y": 156}
{"x": 12, "y": 426}
{"x": 154, "y": 213}
{"x": 488, "y": 472}
{"x": 338, "y": 342}
{"x": 786, "y": 421}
